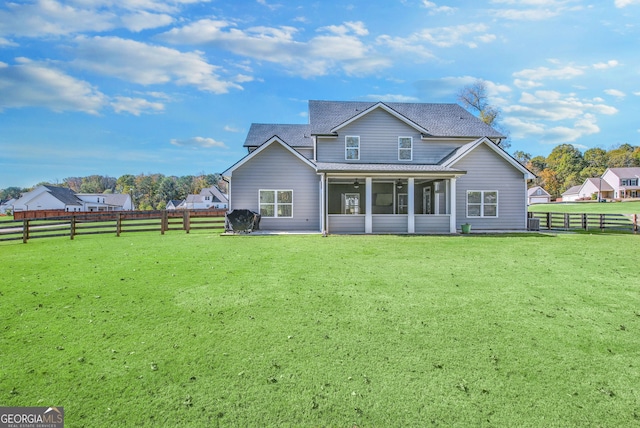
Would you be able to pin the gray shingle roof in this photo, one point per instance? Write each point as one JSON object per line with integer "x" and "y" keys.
{"x": 441, "y": 120}
{"x": 64, "y": 195}
{"x": 294, "y": 135}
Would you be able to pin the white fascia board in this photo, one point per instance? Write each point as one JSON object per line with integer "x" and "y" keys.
{"x": 386, "y": 108}
{"x": 484, "y": 140}
{"x": 275, "y": 139}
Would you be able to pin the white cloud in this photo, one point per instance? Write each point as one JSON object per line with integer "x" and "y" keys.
{"x": 31, "y": 84}
{"x": 526, "y": 15}
{"x": 148, "y": 64}
{"x": 532, "y": 114}
{"x": 135, "y": 106}
{"x": 542, "y": 73}
{"x": 434, "y": 8}
{"x": 144, "y": 20}
{"x": 5, "y": 42}
{"x": 49, "y": 17}
{"x": 230, "y": 128}
{"x": 396, "y": 98}
{"x": 336, "y": 47}
{"x": 198, "y": 142}
{"x": 605, "y": 65}
{"x": 625, "y": 3}
{"x": 446, "y": 37}
{"x": 615, "y": 93}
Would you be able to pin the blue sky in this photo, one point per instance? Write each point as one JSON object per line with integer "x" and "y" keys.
{"x": 113, "y": 87}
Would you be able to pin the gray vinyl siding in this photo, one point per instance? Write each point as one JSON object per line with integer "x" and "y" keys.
{"x": 379, "y": 132}
{"x": 346, "y": 223}
{"x": 275, "y": 168}
{"x": 390, "y": 223}
{"x": 486, "y": 170}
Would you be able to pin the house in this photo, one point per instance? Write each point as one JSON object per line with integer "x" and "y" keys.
{"x": 537, "y": 195}
{"x": 209, "y": 197}
{"x": 62, "y": 198}
{"x": 106, "y": 201}
{"x": 380, "y": 167}
{"x": 615, "y": 183}
{"x": 175, "y": 204}
{"x": 6, "y": 205}
{"x": 624, "y": 182}
{"x": 571, "y": 194}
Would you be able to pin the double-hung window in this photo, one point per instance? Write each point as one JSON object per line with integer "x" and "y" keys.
{"x": 405, "y": 148}
{"x": 276, "y": 203}
{"x": 352, "y": 147}
{"x": 482, "y": 203}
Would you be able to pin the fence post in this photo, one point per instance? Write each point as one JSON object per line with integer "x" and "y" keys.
{"x": 635, "y": 223}
{"x": 549, "y": 220}
{"x": 584, "y": 221}
{"x": 72, "y": 226}
{"x": 118, "y": 223}
{"x": 164, "y": 220}
{"x": 186, "y": 221}
{"x": 601, "y": 222}
{"x": 25, "y": 230}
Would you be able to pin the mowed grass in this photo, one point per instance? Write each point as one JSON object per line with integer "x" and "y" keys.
{"x": 370, "y": 331}
{"x": 631, "y": 207}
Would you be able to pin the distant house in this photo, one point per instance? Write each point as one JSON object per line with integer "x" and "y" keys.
{"x": 175, "y": 204}
{"x": 209, "y": 197}
{"x": 537, "y": 195}
{"x": 106, "y": 201}
{"x": 615, "y": 183}
{"x": 624, "y": 182}
{"x": 6, "y": 205}
{"x": 62, "y": 198}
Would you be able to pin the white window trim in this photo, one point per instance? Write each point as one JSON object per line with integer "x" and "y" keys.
{"x": 404, "y": 148}
{"x": 346, "y": 148}
{"x": 275, "y": 202}
{"x": 482, "y": 192}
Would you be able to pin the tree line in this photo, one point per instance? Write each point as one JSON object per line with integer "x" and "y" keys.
{"x": 566, "y": 166}
{"x": 148, "y": 191}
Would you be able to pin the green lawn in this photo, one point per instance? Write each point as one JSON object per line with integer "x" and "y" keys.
{"x": 589, "y": 207}
{"x": 370, "y": 331}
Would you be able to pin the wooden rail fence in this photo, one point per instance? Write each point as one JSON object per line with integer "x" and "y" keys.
{"x": 576, "y": 221}
{"x": 116, "y": 222}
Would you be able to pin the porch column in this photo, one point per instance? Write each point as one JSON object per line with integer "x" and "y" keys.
{"x": 452, "y": 205}
{"x": 411, "y": 215}
{"x": 368, "y": 216}
{"x": 323, "y": 199}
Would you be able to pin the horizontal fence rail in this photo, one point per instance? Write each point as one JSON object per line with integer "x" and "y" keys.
{"x": 576, "y": 221}
{"x": 115, "y": 222}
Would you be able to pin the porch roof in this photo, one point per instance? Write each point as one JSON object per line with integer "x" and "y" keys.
{"x": 339, "y": 167}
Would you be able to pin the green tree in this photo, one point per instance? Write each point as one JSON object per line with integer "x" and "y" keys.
{"x": 522, "y": 157}
{"x": 567, "y": 162}
{"x": 622, "y": 157}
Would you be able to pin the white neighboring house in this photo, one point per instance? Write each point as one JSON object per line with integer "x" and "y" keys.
{"x": 62, "y": 198}
{"x": 624, "y": 182}
{"x": 585, "y": 191}
{"x": 537, "y": 195}
{"x": 175, "y": 204}
{"x": 209, "y": 197}
{"x": 6, "y": 205}
{"x": 106, "y": 201}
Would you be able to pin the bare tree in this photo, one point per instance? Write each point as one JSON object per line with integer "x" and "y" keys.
{"x": 475, "y": 99}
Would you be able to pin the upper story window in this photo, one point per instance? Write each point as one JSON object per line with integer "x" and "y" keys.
{"x": 629, "y": 182}
{"x": 352, "y": 147}
{"x": 405, "y": 148}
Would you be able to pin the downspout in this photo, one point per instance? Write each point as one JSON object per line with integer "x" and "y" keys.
{"x": 323, "y": 222}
